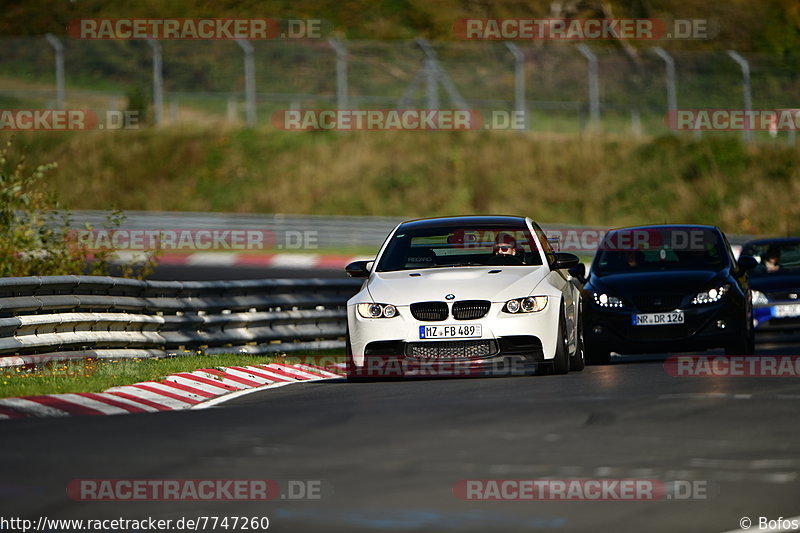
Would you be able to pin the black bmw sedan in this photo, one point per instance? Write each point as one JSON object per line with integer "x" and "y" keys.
{"x": 666, "y": 288}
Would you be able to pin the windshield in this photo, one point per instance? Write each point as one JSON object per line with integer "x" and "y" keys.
{"x": 774, "y": 258}
{"x": 643, "y": 250}
{"x": 459, "y": 246}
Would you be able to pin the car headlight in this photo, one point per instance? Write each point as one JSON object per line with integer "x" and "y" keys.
{"x": 531, "y": 304}
{"x": 604, "y": 300}
{"x": 759, "y": 298}
{"x": 711, "y": 295}
{"x": 376, "y": 310}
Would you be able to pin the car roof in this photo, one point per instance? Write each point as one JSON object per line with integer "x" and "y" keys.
{"x": 772, "y": 240}
{"x": 457, "y": 221}
{"x": 669, "y": 226}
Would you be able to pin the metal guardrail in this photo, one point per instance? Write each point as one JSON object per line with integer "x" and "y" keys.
{"x": 60, "y": 317}
{"x": 329, "y": 231}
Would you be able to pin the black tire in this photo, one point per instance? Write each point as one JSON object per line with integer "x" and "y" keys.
{"x": 578, "y": 360}
{"x": 561, "y": 361}
{"x": 596, "y": 355}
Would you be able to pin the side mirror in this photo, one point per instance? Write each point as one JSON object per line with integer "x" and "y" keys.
{"x": 358, "y": 269}
{"x": 578, "y": 272}
{"x": 747, "y": 262}
{"x": 565, "y": 260}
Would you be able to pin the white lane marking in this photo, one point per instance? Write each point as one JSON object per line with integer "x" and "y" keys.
{"x": 31, "y": 407}
{"x": 212, "y": 259}
{"x": 97, "y": 405}
{"x": 238, "y": 394}
{"x": 738, "y": 464}
{"x": 754, "y": 526}
{"x": 294, "y": 260}
{"x": 694, "y": 395}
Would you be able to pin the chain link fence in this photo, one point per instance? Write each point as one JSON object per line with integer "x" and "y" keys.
{"x": 205, "y": 82}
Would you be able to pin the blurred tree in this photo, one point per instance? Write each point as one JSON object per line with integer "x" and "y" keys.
{"x": 35, "y": 236}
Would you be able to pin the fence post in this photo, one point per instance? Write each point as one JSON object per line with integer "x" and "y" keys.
{"x": 594, "y": 86}
{"x": 158, "y": 82}
{"x": 58, "y": 48}
{"x": 747, "y": 135}
{"x": 669, "y": 63}
{"x": 519, "y": 83}
{"x": 341, "y": 73}
{"x": 249, "y": 81}
{"x": 430, "y": 69}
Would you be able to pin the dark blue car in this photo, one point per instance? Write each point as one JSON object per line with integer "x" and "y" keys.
{"x": 775, "y": 283}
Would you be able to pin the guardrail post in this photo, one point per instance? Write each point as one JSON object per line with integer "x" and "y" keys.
{"x": 158, "y": 83}
{"x": 249, "y": 81}
{"x": 58, "y": 48}
{"x": 341, "y": 73}
{"x": 594, "y": 86}
{"x": 747, "y": 134}
{"x": 519, "y": 83}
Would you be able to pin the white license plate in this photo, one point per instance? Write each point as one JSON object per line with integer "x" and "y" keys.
{"x": 786, "y": 311}
{"x": 450, "y": 331}
{"x": 658, "y": 319}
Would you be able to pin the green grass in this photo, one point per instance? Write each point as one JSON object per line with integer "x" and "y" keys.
{"x": 600, "y": 179}
{"x": 96, "y": 375}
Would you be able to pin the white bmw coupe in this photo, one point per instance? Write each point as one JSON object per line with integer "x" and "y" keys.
{"x": 464, "y": 296}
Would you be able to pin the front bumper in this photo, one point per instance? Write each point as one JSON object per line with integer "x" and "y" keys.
{"x": 509, "y": 344}
{"x": 613, "y": 330}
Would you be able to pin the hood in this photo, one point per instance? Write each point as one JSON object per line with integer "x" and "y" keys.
{"x": 674, "y": 281}
{"x": 775, "y": 282}
{"x": 466, "y": 283}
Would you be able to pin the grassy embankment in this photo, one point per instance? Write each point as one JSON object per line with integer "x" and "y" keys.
{"x": 602, "y": 179}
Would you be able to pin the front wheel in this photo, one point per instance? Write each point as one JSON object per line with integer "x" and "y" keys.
{"x": 561, "y": 361}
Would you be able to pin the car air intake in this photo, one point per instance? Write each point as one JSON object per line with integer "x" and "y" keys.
{"x": 470, "y": 309}
{"x": 429, "y": 311}
{"x": 451, "y": 349}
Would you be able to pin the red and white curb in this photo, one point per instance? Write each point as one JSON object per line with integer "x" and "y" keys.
{"x": 227, "y": 259}
{"x": 185, "y": 390}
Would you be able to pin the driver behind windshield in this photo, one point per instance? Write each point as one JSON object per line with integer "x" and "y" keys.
{"x": 505, "y": 251}
{"x": 770, "y": 261}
